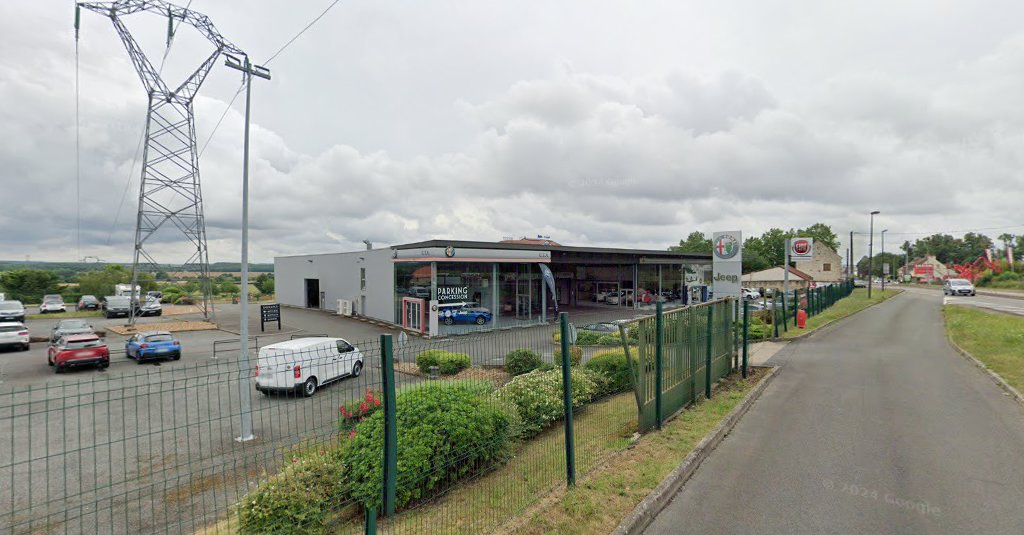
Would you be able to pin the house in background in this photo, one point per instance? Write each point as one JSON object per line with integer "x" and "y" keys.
{"x": 774, "y": 277}
{"x": 927, "y": 269}
{"x": 826, "y": 266}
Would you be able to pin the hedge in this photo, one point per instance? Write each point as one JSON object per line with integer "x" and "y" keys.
{"x": 520, "y": 361}
{"x": 448, "y": 363}
{"x": 575, "y": 356}
{"x": 537, "y": 395}
{"x": 295, "y": 500}
{"x": 446, "y": 430}
{"x": 613, "y": 366}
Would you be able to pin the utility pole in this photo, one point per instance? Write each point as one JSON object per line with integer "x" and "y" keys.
{"x": 871, "y": 249}
{"x": 785, "y": 272}
{"x": 850, "y": 268}
{"x": 244, "y": 388}
{"x": 883, "y": 259}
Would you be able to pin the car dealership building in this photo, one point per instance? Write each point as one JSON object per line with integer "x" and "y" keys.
{"x": 439, "y": 287}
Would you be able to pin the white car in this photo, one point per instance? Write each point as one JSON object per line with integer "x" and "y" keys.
{"x": 305, "y": 364}
{"x": 957, "y": 287}
{"x": 14, "y": 334}
{"x": 52, "y": 303}
{"x": 621, "y": 296}
{"x": 750, "y": 293}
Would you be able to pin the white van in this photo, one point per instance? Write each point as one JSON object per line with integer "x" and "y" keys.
{"x": 305, "y": 364}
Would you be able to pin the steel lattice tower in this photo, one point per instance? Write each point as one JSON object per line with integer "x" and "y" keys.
{"x": 169, "y": 190}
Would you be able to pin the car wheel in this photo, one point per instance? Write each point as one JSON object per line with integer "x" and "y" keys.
{"x": 49, "y": 361}
{"x": 138, "y": 360}
{"x": 480, "y": 320}
{"x": 159, "y": 312}
{"x": 104, "y": 365}
{"x": 448, "y": 321}
{"x": 265, "y": 392}
{"x": 58, "y": 369}
{"x": 309, "y": 387}
{"x": 24, "y": 347}
{"x": 177, "y": 356}
{"x": 357, "y": 368}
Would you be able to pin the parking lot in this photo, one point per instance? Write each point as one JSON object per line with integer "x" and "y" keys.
{"x": 147, "y": 448}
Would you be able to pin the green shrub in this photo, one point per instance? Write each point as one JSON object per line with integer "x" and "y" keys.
{"x": 522, "y": 361}
{"x": 446, "y": 430}
{"x": 537, "y": 396}
{"x": 612, "y": 365}
{"x": 296, "y": 499}
{"x": 592, "y": 338}
{"x": 575, "y": 356}
{"x": 448, "y": 363}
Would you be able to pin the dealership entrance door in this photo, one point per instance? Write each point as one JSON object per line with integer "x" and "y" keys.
{"x": 313, "y": 293}
{"x": 414, "y": 314}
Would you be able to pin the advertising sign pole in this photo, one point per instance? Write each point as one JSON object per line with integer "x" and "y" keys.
{"x": 785, "y": 272}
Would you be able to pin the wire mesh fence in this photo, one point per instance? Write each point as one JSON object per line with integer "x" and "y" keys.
{"x": 478, "y": 431}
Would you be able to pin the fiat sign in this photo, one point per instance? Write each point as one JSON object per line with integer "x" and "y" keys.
{"x": 801, "y": 249}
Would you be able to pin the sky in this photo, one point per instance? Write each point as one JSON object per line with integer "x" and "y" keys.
{"x": 597, "y": 123}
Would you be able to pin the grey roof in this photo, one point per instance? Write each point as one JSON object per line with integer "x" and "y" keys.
{"x": 552, "y": 248}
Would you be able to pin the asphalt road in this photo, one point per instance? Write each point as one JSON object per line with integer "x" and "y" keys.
{"x": 875, "y": 426}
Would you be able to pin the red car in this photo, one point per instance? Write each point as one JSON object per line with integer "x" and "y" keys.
{"x": 78, "y": 350}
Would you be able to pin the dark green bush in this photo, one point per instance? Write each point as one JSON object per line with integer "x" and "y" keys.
{"x": 575, "y": 356}
{"x": 612, "y": 366}
{"x": 296, "y": 499}
{"x": 446, "y": 431}
{"x": 448, "y": 363}
{"x": 522, "y": 361}
{"x": 537, "y": 396}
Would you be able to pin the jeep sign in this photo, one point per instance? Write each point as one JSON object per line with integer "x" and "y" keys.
{"x": 727, "y": 263}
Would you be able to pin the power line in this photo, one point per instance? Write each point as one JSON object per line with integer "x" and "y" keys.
{"x": 930, "y": 233}
{"x": 308, "y": 26}
{"x": 216, "y": 126}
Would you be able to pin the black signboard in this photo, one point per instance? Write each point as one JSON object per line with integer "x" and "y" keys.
{"x": 270, "y": 313}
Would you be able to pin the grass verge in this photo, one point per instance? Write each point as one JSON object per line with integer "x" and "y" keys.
{"x": 847, "y": 306}
{"x": 603, "y": 498}
{"x": 64, "y": 315}
{"x": 993, "y": 338}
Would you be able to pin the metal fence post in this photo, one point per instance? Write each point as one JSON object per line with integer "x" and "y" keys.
{"x": 746, "y": 325}
{"x": 785, "y": 328}
{"x": 370, "y": 527}
{"x": 387, "y": 367}
{"x": 659, "y": 334}
{"x": 570, "y": 450}
{"x": 707, "y": 358}
{"x": 775, "y": 319}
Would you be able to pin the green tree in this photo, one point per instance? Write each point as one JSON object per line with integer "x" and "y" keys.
{"x": 101, "y": 282}
{"x": 821, "y": 233}
{"x": 696, "y": 242}
{"x": 265, "y": 281}
{"x": 29, "y": 285}
{"x": 228, "y": 287}
{"x": 770, "y": 246}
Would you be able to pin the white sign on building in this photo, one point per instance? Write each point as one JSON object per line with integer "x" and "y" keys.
{"x": 801, "y": 249}
{"x": 727, "y": 263}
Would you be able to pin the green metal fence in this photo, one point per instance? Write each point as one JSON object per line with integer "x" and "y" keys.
{"x": 678, "y": 355}
{"x": 812, "y": 301}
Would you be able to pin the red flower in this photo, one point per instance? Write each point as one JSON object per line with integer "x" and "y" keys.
{"x": 352, "y": 434}
{"x": 363, "y": 407}
{"x": 376, "y": 402}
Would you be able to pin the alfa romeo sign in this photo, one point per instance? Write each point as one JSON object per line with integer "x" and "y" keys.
{"x": 727, "y": 263}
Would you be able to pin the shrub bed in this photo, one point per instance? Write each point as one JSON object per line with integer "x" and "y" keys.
{"x": 445, "y": 432}
{"x": 293, "y": 500}
{"x": 537, "y": 396}
{"x": 448, "y": 363}
{"x": 612, "y": 365}
{"x": 521, "y": 361}
{"x": 575, "y": 356}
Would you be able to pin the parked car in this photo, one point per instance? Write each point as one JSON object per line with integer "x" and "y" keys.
{"x": 305, "y": 364}
{"x": 12, "y": 311}
{"x": 116, "y": 306}
{"x": 151, "y": 307}
{"x": 463, "y": 313}
{"x": 601, "y": 295}
{"x": 152, "y": 345}
{"x": 88, "y": 302}
{"x": 622, "y": 296}
{"x": 156, "y": 294}
{"x": 860, "y": 283}
{"x": 52, "y": 303}
{"x": 601, "y": 328}
{"x": 13, "y": 333}
{"x": 77, "y": 350}
{"x": 750, "y": 293}
{"x": 69, "y": 327}
{"x": 958, "y": 287}
{"x": 421, "y": 292}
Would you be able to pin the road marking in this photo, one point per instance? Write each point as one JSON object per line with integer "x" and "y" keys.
{"x": 981, "y": 303}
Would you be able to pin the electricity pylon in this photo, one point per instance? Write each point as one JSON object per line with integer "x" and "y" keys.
{"x": 169, "y": 191}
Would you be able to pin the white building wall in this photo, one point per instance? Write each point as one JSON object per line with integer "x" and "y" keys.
{"x": 339, "y": 276}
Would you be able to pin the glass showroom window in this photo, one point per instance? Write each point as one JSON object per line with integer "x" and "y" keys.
{"x": 465, "y": 293}
{"x": 412, "y": 279}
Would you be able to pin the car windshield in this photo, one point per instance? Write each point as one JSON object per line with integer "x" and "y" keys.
{"x": 73, "y": 324}
{"x": 83, "y": 344}
{"x": 117, "y": 301}
{"x": 88, "y": 298}
{"x": 10, "y": 305}
{"x": 53, "y": 300}
{"x": 959, "y": 282}
{"x": 10, "y": 328}
{"x": 159, "y": 338}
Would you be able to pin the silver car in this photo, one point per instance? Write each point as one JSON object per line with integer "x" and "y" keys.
{"x": 12, "y": 311}
{"x": 958, "y": 287}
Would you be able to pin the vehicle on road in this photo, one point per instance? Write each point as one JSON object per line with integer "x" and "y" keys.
{"x": 601, "y": 328}
{"x": 859, "y": 283}
{"x": 70, "y": 326}
{"x": 115, "y": 306}
{"x": 620, "y": 297}
{"x": 471, "y": 312}
{"x": 152, "y": 345}
{"x": 304, "y": 365}
{"x": 78, "y": 350}
{"x": 12, "y": 311}
{"x": 958, "y": 287}
{"x": 13, "y": 333}
{"x": 88, "y": 302}
{"x": 52, "y": 303}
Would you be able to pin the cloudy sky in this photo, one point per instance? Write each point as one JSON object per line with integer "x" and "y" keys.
{"x": 611, "y": 123}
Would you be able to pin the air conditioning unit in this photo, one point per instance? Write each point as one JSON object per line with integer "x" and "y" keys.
{"x": 344, "y": 307}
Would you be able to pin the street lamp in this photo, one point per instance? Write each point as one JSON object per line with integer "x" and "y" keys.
{"x": 871, "y": 249}
{"x": 883, "y": 259}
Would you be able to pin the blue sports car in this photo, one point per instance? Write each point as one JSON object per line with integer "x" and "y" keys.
{"x": 463, "y": 313}
{"x": 152, "y": 345}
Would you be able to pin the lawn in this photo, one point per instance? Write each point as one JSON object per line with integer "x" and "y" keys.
{"x": 68, "y": 314}
{"x": 603, "y": 499}
{"x": 846, "y": 306}
{"x": 993, "y": 338}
